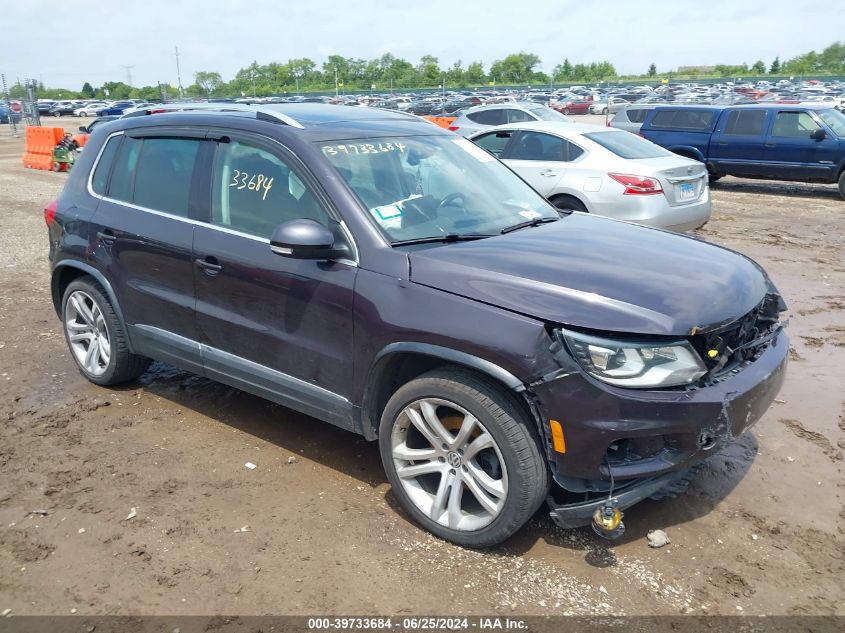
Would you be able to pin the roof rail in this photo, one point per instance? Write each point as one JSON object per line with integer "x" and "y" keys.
{"x": 261, "y": 112}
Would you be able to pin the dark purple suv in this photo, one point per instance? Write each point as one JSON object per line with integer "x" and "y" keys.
{"x": 373, "y": 271}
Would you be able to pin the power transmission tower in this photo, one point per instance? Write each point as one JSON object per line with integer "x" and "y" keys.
{"x": 178, "y": 74}
{"x": 128, "y": 74}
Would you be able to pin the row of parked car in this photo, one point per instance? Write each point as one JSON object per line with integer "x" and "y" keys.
{"x": 87, "y": 108}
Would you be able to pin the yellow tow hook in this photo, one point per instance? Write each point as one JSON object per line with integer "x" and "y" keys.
{"x": 607, "y": 521}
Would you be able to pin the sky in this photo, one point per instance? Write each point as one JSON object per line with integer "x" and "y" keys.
{"x": 95, "y": 42}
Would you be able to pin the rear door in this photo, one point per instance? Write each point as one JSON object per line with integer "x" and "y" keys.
{"x": 792, "y": 154}
{"x": 142, "y": 235}
{"x": 737, "y": 144}
{"x": 540, "y": 159}
{"x": 275, "y": 326}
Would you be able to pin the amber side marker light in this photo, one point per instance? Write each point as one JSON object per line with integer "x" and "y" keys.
{"x": 558, "y": 443}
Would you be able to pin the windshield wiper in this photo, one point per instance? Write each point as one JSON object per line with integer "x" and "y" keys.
{"x": 449, "y": 237}
{"x": 523, "y": 225}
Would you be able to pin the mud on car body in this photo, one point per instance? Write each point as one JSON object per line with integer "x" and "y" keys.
{"x": 375, "y": 272}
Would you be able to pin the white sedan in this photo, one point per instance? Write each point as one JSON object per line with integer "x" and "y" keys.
{"x": 90, "y": 110}
{"x": 605, "y": 171}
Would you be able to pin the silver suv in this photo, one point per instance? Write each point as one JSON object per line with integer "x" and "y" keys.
{"x": 482, "y": 117}
{"x": 631, "y": 118}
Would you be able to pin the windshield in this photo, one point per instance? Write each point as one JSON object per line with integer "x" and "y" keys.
{"x": 421, "y": 187}
{"x": 834, "y": 119}
{"x": 627, "y": 145}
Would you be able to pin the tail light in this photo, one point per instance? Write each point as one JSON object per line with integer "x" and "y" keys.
{"x": 454, "y": 128}
{"x": 638, "y": 185}
{"x": 50, "y": 212}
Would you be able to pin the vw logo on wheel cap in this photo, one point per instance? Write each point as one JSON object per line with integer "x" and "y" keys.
{"x": 454, "y": 459}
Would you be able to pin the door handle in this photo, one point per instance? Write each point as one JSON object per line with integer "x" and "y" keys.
{"x": 210, "y": 266}
{"x": 548, "y": 172}
{"x": 770, "y": 144}
{"x": 106, "y": 236}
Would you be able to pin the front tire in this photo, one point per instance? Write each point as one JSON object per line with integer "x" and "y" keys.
{"x": 95, "y": 336}
{"x": 842, "y": 184}
{"x": 462, "y": 458}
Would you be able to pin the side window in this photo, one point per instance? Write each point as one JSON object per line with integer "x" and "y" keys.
{"x": 635, "y": 115}
{"x": 574, "y": 151}
{"x": 494, "y": 142}
{"x": 519, "y": 116}
{"x": 495, "y": 116}
{"x": 537, "y": 146}
{"x": 746, "y": 122}
{"x": 164, "y": 173}
{"x": 794, "y": 125}
{"x": 663, "y": 118}
{"x": 123, "y": 174}
{"x": 103, "y": 168}
{"x": 254, "y": 191}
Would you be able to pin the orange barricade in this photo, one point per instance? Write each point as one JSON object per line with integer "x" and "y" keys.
{"x": 40, "y": 143}
{"x": 441, "y": 121}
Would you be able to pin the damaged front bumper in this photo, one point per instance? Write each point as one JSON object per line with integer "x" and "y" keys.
{"x": 647, "y": 440}
{"x": 579, "y": 514}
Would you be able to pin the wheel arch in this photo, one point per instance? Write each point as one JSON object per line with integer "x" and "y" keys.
{"x": 688, "y": 152}
{"x": 567, "y": 194}
{"x": 66, "y": 271}
{"x": 398, "y": 363}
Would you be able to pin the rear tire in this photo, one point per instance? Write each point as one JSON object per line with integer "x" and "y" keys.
{"x": 568, "y": 203}
{"x": 462, "y": 457}
{"x": 842, "y": 184}
{"x": 95, "y": 336}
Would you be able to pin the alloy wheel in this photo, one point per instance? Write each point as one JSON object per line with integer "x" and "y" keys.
{"x": 87, "y": 333}
{"x": 449, "y": 465}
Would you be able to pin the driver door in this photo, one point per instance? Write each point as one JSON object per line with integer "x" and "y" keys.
{"x": 268, "y": 324}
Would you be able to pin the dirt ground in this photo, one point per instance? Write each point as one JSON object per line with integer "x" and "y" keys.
{"x": 315, "y": 529}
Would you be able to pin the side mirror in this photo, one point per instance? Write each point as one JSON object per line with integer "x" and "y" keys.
{"x": 818, "y": 134}
{"x": 83, "y": 129}
{"x": 304, "y": 239}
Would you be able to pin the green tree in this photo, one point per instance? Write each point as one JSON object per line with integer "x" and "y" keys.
{"x": 87, "y": 90}
{"x": 115, "y": 90}
{"x": 774, "y": 69}
{"x": 562, "y": 72}
{"x": 516, "y": 68}
{"x": 652, "y": 70}
{"x": 475, "y": 75}
{"x": 455, "y": 75}
{"x": 429, "y": 70}
{"x": 209, "y": 82}
{"x": 759, "y": 68}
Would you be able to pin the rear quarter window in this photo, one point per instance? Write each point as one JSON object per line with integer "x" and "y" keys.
{"x": 100, "y": 180}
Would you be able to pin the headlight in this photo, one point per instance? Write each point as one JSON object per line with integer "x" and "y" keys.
{"x": 636, "y": 364}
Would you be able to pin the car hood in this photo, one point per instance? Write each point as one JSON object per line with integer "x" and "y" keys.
{"x": 599, "y": 273}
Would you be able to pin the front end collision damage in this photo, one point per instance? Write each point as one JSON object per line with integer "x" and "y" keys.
{"x": 626, "y": 445}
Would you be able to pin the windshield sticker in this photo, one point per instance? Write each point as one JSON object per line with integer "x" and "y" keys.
{"x": 258, "y": 183}
{"x": 362, "y": 148}
{"x": 473, "y": 150}
{"x": 389, "y": 216}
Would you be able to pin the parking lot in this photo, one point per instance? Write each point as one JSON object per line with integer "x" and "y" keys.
{"x": 137, "y": 500}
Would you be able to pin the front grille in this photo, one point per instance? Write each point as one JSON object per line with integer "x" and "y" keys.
{"x": 741, "y": 341}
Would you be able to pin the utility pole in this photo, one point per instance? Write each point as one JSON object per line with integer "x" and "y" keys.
{"x": 335, "y": 82}
{"x": 128, "y": 74}
{"x": 179, "y": 75}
